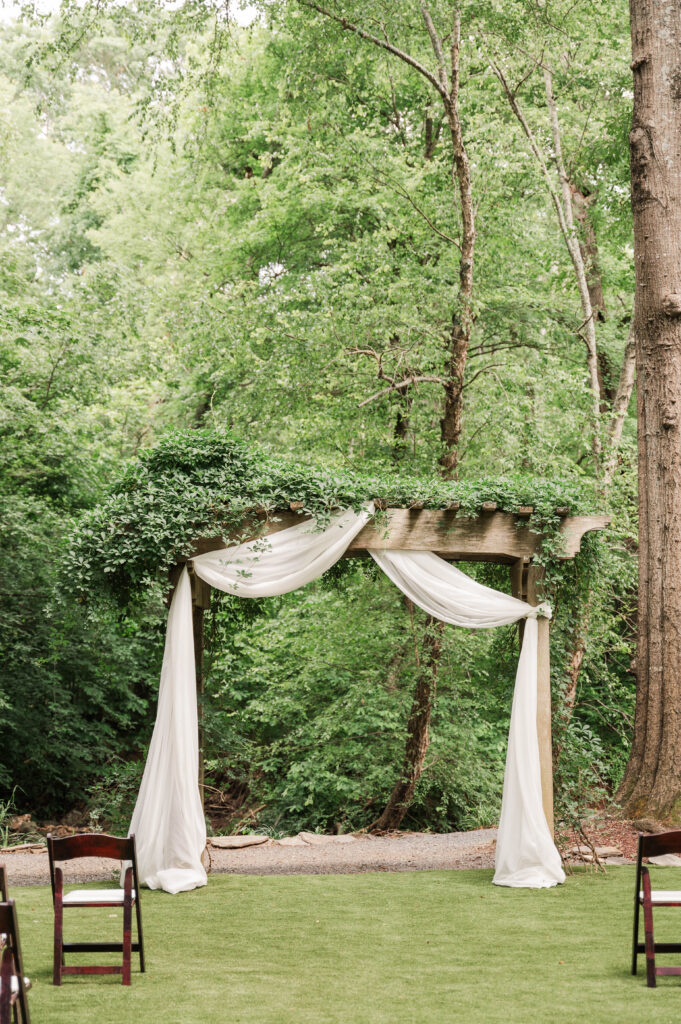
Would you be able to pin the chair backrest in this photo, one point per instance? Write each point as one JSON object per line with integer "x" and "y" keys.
{"x": 654, "y": 846}
{"x": 92, "y": 844}
{"x": 3, "y": 884}
{"x": 663, "y": 842}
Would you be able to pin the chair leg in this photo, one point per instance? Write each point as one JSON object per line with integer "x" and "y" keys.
{"x": 58, "y": 938}
{"x": 140, "y": 940}
{"x": 648, "y": 928}
{"x": 127, "y": 937}
{"x": 24, "y": 1015}
{"x": 634, "y": 953}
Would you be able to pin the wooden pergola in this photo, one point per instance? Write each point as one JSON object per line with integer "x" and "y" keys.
{"x": 492, "y": 536}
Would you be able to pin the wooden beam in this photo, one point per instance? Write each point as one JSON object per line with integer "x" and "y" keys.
{"x": 526, "y": 585}
{"x": 491, "y": 537}
{"x": 519, "y": 579}
{"x": 535, "y": 577}
{"x": 494, "y": 536}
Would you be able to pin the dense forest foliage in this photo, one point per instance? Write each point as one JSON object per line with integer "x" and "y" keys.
{"x": 213, "y": 230}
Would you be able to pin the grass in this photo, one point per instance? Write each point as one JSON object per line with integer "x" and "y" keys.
{"x": 364, "y": 949}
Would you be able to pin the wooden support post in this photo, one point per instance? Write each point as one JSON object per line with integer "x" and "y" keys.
{"x": 200, "y": 601}
{"x": 519, "y": 587}
{"x": 526, "y": 584}
{"x": 544, "y": 718}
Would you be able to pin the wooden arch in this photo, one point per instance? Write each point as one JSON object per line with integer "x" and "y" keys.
{"x": 492, "y": 536}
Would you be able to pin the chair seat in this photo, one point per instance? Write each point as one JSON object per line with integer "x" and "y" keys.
{"x": 14, "y": 984}
{"x": 83, "y": 897}
{"x": 662, "y": 896}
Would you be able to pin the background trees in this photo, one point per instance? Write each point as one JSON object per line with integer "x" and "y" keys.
{"x": 263, "y": 235}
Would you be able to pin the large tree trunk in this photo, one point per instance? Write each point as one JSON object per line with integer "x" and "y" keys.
{"x": 418, "y": 730}
{"x": 652, "y": 783}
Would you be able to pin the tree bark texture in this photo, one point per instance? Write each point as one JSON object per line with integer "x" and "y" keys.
{"x": 451, "y": 423}
{"x": 652, "y": 782}
{"x": 588, "y": 245}
{"x": 418, "y": 730}
{"x": 401, "y": 428}
{"x": 620, "y": 405}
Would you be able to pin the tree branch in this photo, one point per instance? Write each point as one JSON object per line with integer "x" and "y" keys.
{"x": 401, "y": 191}
{"x": 578, "y": 263}
{"x": 383, "y": 44}
{"x": 437, "y": 48}
{"x": 407, "y": 383}
{"x": 562, "y": 204}
{"x": 620, "y": 405}
{"x": 483, "y": 369}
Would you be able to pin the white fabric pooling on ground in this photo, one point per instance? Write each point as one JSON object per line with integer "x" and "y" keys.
{"x": 168, "y": 820}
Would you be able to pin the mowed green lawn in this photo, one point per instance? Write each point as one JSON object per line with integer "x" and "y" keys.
{"x": 364, "y": 949}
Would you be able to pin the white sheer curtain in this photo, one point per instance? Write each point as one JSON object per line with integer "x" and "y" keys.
{"x": 525, "y": 855}
{"x": 168, "y": 820}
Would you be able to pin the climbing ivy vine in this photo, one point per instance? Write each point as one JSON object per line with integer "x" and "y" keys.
{"x": 206, "y": 484}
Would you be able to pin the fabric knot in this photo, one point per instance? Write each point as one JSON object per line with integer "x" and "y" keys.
{"x": 542, "y": 611}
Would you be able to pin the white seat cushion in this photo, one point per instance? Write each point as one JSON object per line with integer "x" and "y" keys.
{"x": 663, "y": 895}
{"x": 14, "y": 984}
{"x": 84, "y": 896}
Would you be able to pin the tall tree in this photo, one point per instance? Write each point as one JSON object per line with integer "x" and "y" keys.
{"x": 446, "y": 81}
{"x": 652, "y": 782}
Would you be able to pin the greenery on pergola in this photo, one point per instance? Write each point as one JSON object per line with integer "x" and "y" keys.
{"x": 204, "y": 484}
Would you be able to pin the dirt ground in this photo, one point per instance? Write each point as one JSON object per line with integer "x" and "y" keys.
{"x": 406, "y": 851}
{"x": 309, "y": 854}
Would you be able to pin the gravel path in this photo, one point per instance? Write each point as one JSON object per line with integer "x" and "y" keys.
{"x": 313, "y": 855}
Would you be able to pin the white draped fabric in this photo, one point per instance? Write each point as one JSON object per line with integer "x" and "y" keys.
{"x": 283, "y": 561}
{"x": 525, "y": 854}
{"x": 168, "y": 820}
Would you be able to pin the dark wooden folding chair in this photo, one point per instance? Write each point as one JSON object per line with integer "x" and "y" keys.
{"x": 647, "y": 897}
{"x": 14, "y": 985}
{"x": 6, "y": 972}
{"x": 95, "y": 845}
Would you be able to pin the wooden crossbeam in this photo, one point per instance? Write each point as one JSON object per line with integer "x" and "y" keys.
{"x": 491, "y": 537}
